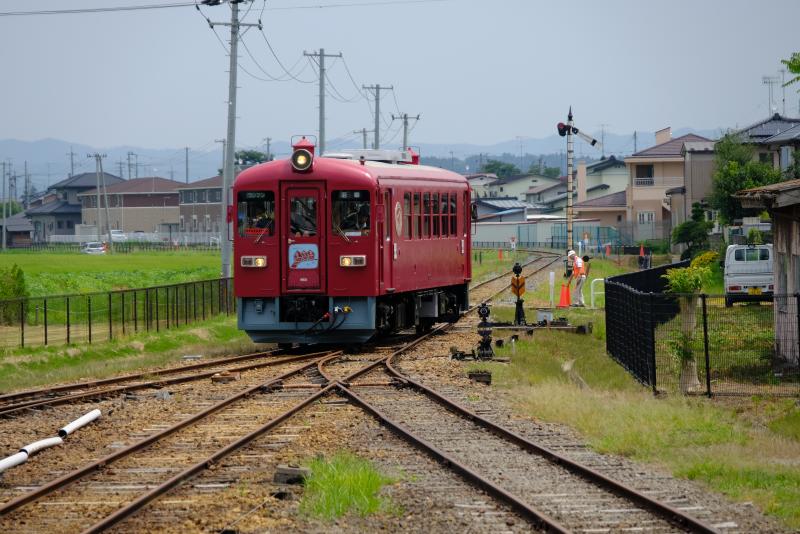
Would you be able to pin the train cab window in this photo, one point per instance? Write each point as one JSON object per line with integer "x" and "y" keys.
{"x": 417, "y": 217}
{"x": 409, "y": 215}
{"x": 426, "y": 215}
{"x": 303, "y": 216}
{"x": 435, "y": 214}
{"x": 256, "y": 214}
{"x": 453, "y": 215}
{"x": 351, "y": 213}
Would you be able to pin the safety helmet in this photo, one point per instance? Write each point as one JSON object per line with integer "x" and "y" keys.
{"x": 570, "y": 253}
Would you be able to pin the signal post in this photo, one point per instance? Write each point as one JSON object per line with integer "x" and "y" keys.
{"x": 518, "y": 288}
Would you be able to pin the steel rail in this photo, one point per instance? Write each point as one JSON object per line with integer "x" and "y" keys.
{"x": 77, "y": 474}
{"x": 124, "y": 378}
{"x": 68, "y": 399}
{"x": 537, "y": 517}
{"x": 153, "y": 494}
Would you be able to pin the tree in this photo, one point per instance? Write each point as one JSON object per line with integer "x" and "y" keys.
{"x": 12, "y": 207}
{"x": 793, "y": 171}
{"x": 737, "y": 170}
{"x": 693, "y": 233}
{"x": 793, "y": 64}
{"x": 549, "y": 172}
{"x": 501, "y": 169}
{"x": 250, "y": 157}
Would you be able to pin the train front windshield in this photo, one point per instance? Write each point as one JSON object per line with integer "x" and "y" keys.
{"x": 351, "y": 213}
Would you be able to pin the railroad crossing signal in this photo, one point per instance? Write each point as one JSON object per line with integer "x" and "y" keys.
{"x": 518, "y": 285}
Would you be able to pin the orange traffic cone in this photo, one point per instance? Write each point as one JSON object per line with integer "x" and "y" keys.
{"x": 641, "y": 251}
{"x": 563, "y": 302}
{"x": 608, "y": 251}
{"x": 500, "y": 253}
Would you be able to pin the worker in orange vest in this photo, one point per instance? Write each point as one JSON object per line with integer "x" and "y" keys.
{"x": 579, "y": 275}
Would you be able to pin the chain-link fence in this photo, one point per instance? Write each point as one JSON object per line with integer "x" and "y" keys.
{"x": 93, "y": 317}
{"x": 703, "y": 344}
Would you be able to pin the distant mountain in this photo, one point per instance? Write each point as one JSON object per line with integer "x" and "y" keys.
{"x": 49, "y": 159}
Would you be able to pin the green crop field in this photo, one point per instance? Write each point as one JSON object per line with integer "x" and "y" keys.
{"x": 69, "y": 272}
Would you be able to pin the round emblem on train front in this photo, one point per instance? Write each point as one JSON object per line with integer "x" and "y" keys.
{"x": 398, "y": 219}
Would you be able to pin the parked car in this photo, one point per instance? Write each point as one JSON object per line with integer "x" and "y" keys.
{"x": 93, "y": 247}
{"x": 118, "y": 236}
{"x": 748, "y": 273}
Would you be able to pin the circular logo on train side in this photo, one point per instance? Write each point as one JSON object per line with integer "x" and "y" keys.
{"x": 398, "y": 219}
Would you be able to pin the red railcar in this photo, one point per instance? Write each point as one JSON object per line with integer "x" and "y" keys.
{"x": 336, "y": 249}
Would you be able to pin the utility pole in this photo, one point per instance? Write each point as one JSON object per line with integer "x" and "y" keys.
{"x": 783, "y": 88}
{"x": 376, "y": 90}
{"x": 71, "y": 155}
{"x": 269, "y": 154}
{"x": 5, "y": 201}
{"x": 635, "y": 148}
{"x": 603, "y": 140}
{"x": 129, "y": 165}
{"x": 230, "y": 143}
{"x": 187, "y": 164}
{"x": 363, "y": 132}
{"x": 405, "y": 118}
{"x": 26, "y": 191}
{"x": 452, "y": 162}
{"x": 320, "y": 58}
{"x": 121, "y": 165}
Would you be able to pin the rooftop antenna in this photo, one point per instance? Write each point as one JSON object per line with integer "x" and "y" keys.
{"x": 771, "y": 81}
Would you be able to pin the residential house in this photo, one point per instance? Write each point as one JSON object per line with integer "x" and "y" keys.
{"x": 604, "y": 177}
{"x": 60, "y": 209}
{"x": 652, "y": 172}
{"x": 609, "y": 210}
{"x": 698, "y": 172}
{"x": 480, "y": 183}
{"x": 517, "y": 186}
{"x": 18, "y": 229}
{"x": 137, "y": 205}
{"x": 502, "y": 209}
{"x": 774, "y": 139}
{"x": 201, "y": 206}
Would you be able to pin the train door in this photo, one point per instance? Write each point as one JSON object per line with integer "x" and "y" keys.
{"x": 302, "y": 232}
{"x": 386, "y": 252}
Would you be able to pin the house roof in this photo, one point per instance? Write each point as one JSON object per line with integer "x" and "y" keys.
{"x": 545, "y": 187}
{"x": 761, "y": 131}
{"x": 213, "y": 182}
{"x": 18, "y": 223}
{"x": 479, "y": 175}
{"x": 518, "y": 177}
{"x": 604, "y": 163}
{"x": 790, "y": 135}
{"x": 58, "y": 207}
{"x": 669, "y": 149}
{"x": 86, "y": 179}
{"x": 503, "y": 203}
{"x": 500, "y": 213}
{"x": 562, "y": 196}
{"x": 698, "y": 146}
{"x": 612, "y": 200}
{"x": 152, "y": 184}
{"x": 777, "y": 195}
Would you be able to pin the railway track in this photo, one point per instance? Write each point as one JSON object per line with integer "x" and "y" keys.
{"x": 562, "y": 495}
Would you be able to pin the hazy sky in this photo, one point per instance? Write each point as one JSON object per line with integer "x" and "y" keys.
{"x": 478, "y": 71}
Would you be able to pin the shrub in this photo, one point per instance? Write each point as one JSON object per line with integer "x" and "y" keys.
{"x": 12, "y": 286}
{"x": 687, "y": 280}
{"x": 706, "y": 259}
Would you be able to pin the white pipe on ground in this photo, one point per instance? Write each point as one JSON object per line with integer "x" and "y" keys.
{"x": 78, "y": 423}
{"x": 11, "y": 461}
{"x": 36, "y": 446}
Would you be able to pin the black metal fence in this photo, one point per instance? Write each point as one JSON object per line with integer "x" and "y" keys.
{"x": 702, "y": 344}
{"x": 93, "y": 317}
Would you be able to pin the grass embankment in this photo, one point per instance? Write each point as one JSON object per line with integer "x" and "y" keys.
{"x": 487, "y": 263}
{"x": 72, "y": 272}
{"x": 745, "y": 448}
{"x": 345, "y": 483}
{"x": 25, "y": 368}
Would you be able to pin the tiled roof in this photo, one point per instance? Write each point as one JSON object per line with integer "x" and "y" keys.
{"x": 546, "y": 187}
{"x": 789, "y": 135}
{"x": 86, "y": 179}
{"x": 698, "y": 146}
{"x": 605, "y": 163}
{"x": 57, "y": 207}
{"x": 670, "y": 149}
{"x": 213, "y": 182}
{"x": 503, "y": 203}
{"x": 562, "y": 196}
{"x": 517, "y": 178}
{"x": 779, "y": 187}
{"x": 153, "y": 184}
{"x": 613, "y": 200}
{"x": 763, "y": 130}
{"x": 18, "y": 223}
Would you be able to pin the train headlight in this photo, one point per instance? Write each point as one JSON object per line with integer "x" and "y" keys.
{"x": 352, "y": 261}
{"x": 253, "y": 261}
{"x": 302, "y": 159}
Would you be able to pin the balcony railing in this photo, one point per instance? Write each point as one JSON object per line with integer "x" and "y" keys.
{"x": 661, "y": 181}
{"x": 639, "y": 182}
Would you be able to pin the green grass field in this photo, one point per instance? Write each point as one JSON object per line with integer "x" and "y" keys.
{"x": 62, "y": 273}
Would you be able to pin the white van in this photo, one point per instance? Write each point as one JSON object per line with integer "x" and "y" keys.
{"x": 748, "y": 273}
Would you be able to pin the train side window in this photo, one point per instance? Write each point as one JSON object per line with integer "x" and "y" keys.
{"x": 256, "y": 214}
{"x": 409, "y": 215}
{"x": 351, "y": 213}
{"x": 426, "y": 215}
{"x": 387, "y": 216}
{"x": 417, "y": 217}
{"x": 453, "y": 214}
{"x": 435, "y": 214}
{"x": 444, "y": 207}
